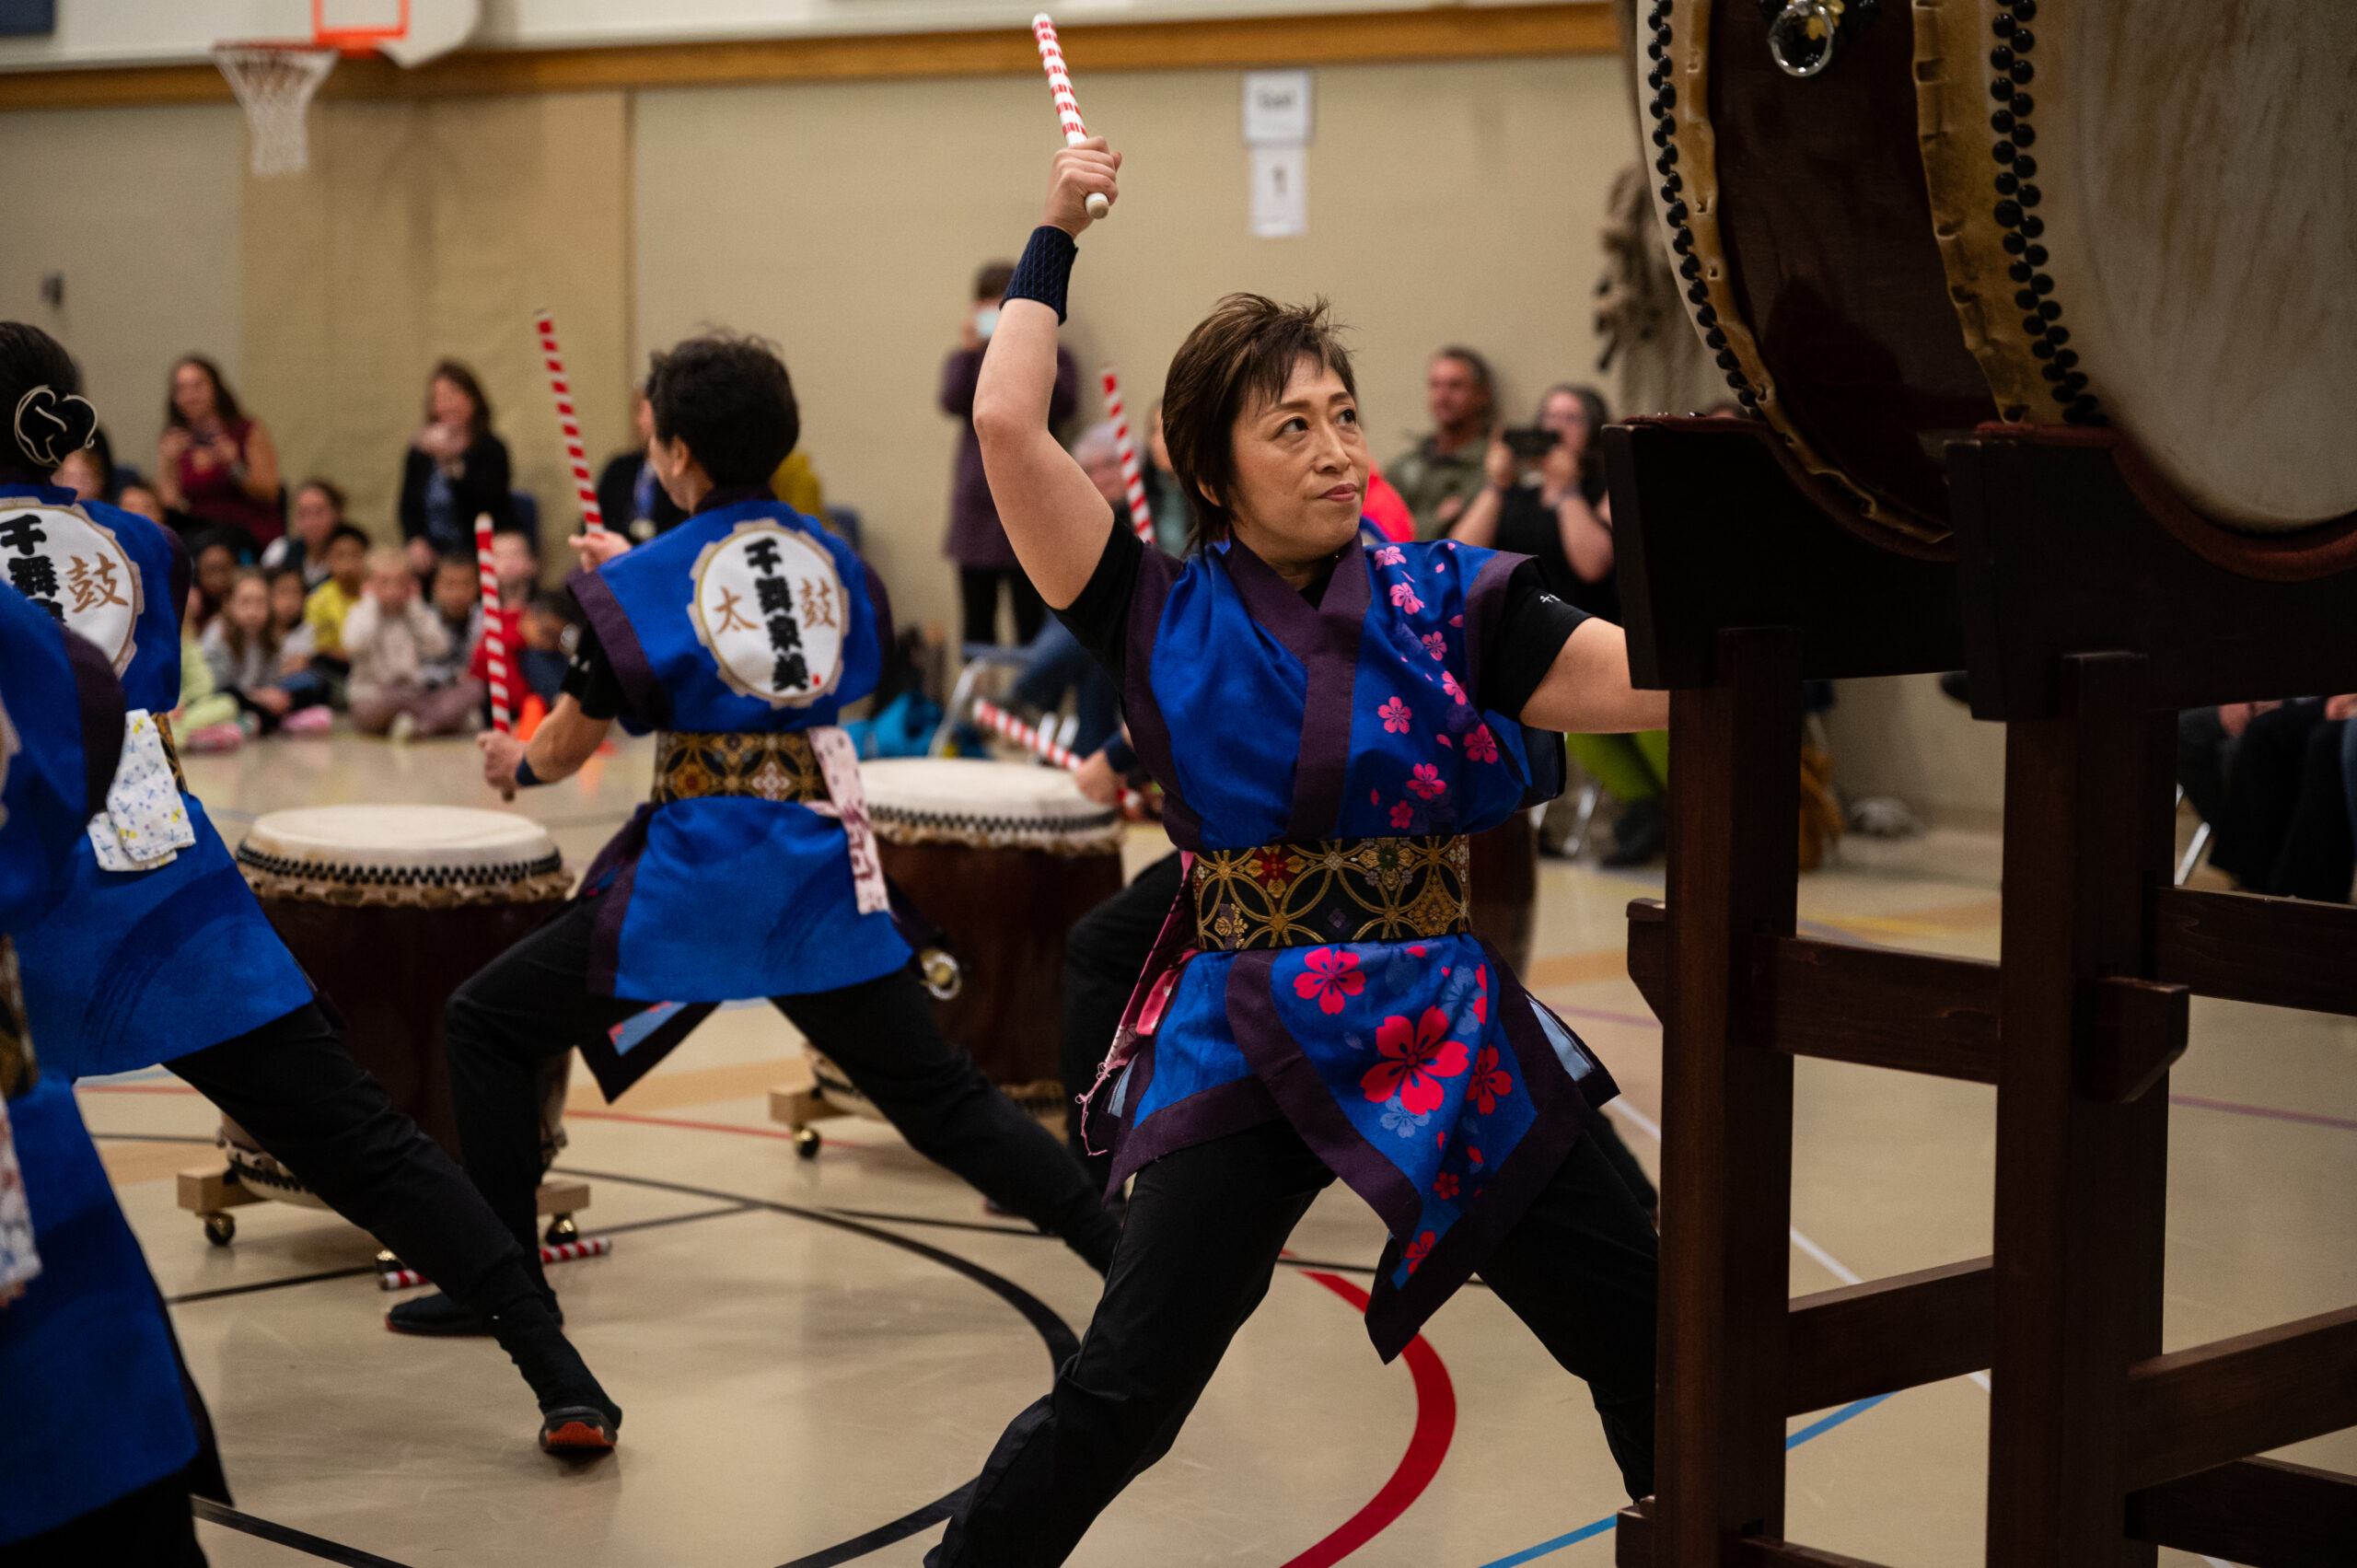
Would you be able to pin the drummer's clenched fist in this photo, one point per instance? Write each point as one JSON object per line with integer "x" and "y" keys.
{"x": 1090, "y": 168}
{"x": 501, "y": 752}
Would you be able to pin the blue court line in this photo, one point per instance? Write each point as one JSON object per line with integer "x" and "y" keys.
{"x": 1817, "y": 1428}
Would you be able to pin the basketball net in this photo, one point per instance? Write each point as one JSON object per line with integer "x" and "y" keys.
{"x": 275, "y": 83}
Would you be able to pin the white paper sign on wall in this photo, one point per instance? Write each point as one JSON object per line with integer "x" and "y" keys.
{"x": 1276, "y": 107}
{"x": 1280, "y": 192}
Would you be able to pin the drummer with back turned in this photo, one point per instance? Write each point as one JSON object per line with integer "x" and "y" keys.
{"x": 738, "y": 635}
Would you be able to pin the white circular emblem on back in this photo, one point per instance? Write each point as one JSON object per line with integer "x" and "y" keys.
{"x": 770, "y": 609}
{"x": 77, "y": 569}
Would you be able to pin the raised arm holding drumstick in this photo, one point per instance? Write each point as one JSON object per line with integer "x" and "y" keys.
{"x": 1329, "y": 721}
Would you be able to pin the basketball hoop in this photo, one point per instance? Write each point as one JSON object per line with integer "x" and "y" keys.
{"x": 275, "y": 83}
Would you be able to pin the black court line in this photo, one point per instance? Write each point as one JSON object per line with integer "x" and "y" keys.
{"x": 283, "y": 1535}
{"x": 877, "y": 1540}
{"x": 1018, "y": 1232}
{"x": 359, "y": 1269}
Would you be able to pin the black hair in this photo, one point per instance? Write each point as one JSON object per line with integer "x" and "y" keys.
{"x": 730, "y": 400}
{"x": 990, "y": 283}
{"x": 465, "y": 379}
{"x": 40, "y": 395}
{"x": 1239, "y": 357}
{"x": 452, "y": 558}
{"x": 343, "y": 531}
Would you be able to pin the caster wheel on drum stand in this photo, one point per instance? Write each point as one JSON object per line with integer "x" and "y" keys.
{"x": 805, "y": 1142}
{"x": 561, "y": 1230}
{"x": 219, "y": 1229}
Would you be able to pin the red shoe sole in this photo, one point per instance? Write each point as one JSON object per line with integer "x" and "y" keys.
{"x": 577, "y": 1437}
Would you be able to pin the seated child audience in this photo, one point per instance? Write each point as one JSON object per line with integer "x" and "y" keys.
{"x": 516, "y": 565}
{"x": 246, "y": 645}
{"x": 391, "y": 637}
{"x": 325, "y": 609}
{"x": 314, "y": 512}
{"x": 207, "y": 718}
{"x": 214, "y": 556}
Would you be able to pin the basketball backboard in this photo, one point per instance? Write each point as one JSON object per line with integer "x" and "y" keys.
{"x": 409, "y": 32}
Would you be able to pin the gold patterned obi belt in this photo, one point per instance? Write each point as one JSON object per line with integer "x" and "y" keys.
{"x": 690, "y": 765}
{"x": 1299, "y": 895}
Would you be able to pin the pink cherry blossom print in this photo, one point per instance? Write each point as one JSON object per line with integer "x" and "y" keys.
{"x": 1449, "y": 684}
{"x": 1444, "y": 1184}
{"x": 1333, "y": 977}
{"x": 1436, "y": 644}
{"x": 1389, "y": 555}
{"x": 1457, "y": 620}
{"x": 1445, "y": 740}
{"x": 1481, "y": 746}
{"x": 1473, "y": 1153}
{"x": 1402, "y": 815}
{"x": 1394, "y": 715}
{"x": 1403, "y": 596}
{"x": 1491, "y": 1082}
{"x": 1415, "y": 1061}
{"x": 1425, "y": 784}
{"x": 1420, "y": 1248}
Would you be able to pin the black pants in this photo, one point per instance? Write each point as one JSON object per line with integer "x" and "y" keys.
{"x": 1105, "y": 954}
{"x": 978, "y": 586}
{"x": 294, "y": 1087}
{"x": 1205, "y": 1226}
{"x": 151, "y": 1527}
{"x": 2286, "y": 830}
{"x": 533, "y": 1002}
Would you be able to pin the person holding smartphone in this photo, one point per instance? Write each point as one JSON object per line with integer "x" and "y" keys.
{"x": 976, "y": 542}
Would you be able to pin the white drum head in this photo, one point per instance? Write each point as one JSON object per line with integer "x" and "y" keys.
{"x": 400, "y": 848}
{"x": 966, "y": 800}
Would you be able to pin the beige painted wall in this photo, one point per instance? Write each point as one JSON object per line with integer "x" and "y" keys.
{"x": 433, "y": 228}
{"x": 1901, "y": 736}
{"x": 141, "y": 209}
{"x": 1456, "y": 201}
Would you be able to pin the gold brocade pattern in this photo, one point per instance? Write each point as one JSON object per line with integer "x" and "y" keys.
{"x": 691, "y": 765}
{"x": 18, "y": 1071}
{"x": 171, "y": 755}
{"x": 1332, "y": 890}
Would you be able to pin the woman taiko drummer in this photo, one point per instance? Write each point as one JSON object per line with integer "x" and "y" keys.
{"x": 1330, "y": 720}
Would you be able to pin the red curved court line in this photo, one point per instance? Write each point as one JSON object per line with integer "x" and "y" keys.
{"x": 1427, "y": 1445}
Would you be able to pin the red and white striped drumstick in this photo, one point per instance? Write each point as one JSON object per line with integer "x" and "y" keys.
{"x": 494, "y": 635}
{"x": 584, "y": 486}
{"x": 1051, "y": 59}
{"x": 563, "y": 1253}
{"x": 992, "y": 715}
{"x": 1132, "y": 476}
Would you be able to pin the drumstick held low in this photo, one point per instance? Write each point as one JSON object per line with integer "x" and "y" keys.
{"x": 991, "y": 714}
{"x": 1132, "y": 476}
{"x": 1052, "y": 60}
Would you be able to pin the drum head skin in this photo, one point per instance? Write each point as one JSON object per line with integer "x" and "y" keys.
{"x": 431, "y": 855}
{"x": 1000, "y": 805}
{"x": 2191, "y": 175}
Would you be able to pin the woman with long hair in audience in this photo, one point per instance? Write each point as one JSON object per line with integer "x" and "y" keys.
{"x": 215, "y": 462}
{"x": 454, "y": 469}
{"x": 1329, "y": 719}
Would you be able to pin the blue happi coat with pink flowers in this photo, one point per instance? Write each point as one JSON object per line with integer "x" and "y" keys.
{"x": 1419, "y": 1070}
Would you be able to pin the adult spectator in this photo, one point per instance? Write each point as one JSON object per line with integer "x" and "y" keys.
{"x": 215, "y": 462}
{"x": 2285, "y": 828}
{"x": 1550, "y": 506}
{"x": 976, "y": 542}
{"x": 1439, "y": 476}
{"x": 628, "y": 493}
{"x": 455, "y": 470}
{"x": 317, "y": 508}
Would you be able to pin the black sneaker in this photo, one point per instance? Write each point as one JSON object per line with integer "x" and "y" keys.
{"x": 578, "y": 1432}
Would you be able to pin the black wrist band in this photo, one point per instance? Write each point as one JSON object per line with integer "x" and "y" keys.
{"x": 525, "y": 777}
{"x": 1045, "y": 269}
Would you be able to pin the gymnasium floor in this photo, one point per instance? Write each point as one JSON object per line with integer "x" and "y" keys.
{"x": 811, "y": 1352}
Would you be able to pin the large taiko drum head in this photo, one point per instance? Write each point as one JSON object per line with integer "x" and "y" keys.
{"x": 390, "y": 909}
{"x": 2132, "y": 212}
{"x": 1002, "y": 857}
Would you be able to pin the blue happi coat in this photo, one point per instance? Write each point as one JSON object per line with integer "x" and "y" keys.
{"x": 129, "y": 969}
{"x": 719, "y": 896}
{"x": 89, "y": 1379}
{"x": 1419, "y": 1070}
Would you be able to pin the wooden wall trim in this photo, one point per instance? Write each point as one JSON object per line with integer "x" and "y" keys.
{"x": 1449, "y": 32}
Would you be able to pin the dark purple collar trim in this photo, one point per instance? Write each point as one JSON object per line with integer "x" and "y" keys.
{"x": 617, "y": 865}
{"x": 1207, "y": 1114}
{"x": 1277, "y": 605}
{"x": 1322, "y": 761}
{"x": 882, "y": 603}
{"x": 721, "y": 496}
{"x": 1149, "y": 731}
{"x": 648, "y": 700}
{"x": 1302, "y": 1094}
{"x": 14, "y": 480}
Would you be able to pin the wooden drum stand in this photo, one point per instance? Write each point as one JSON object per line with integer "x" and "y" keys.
{"x": 2088, "y": 606}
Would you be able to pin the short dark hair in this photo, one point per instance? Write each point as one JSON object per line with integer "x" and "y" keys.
{"x": 1471, "y": 361}
{"x": 729, "y": 399}
{"x": 343, "y": 531}
{"x": 29, "y": 358}
{"x": 1244, "y": 352}
{"x": 452, "y": 558}
{"x": 991, "y": 281}
{"x": 458, "y": 376}
{"x": 329, "y": 488}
